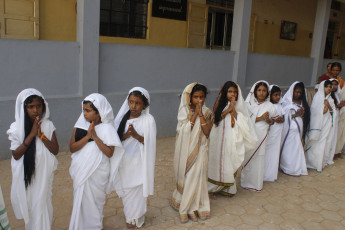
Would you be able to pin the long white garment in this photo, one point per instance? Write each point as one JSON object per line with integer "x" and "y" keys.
{"x": 90, "y": 169}
{"x": 332, "y": 137}
{"x": 317, "y": 147}
{"x": 34, "y": 203}
{"x": 252, "y": 174}
{"x": 227, "y": 148}
{"x": 340, "y": 147}
{"x": 292, "y": 159}
{"x": 136, "y": 173}
{"x": 190, "y": 196}
{"x": 273, "y": 148}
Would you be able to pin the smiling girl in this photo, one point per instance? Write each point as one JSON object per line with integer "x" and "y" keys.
{"x": 262, "y": 113}
{"x": 33, "y": 145}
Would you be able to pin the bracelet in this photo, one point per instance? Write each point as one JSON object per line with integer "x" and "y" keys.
{"x": 201, "y": 115}
{"x": 192, "y": 123}
{"x": 25, "y": 144}
{"x": 204, "y": 124}
{"x": 42, "y": 136}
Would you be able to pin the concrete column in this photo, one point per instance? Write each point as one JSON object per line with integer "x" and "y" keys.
{"x": 88, "y": 14}
{"x": 239, "y": 40}
{"x": 319, "y": 37}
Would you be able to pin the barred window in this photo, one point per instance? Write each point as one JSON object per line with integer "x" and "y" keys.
{"x": 222, "y": 3}
{"x": 123, "y": 18}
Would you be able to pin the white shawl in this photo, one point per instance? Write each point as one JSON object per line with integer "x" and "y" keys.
{"x": 45, "y": 163}
{"x": 148, "y": 150}
{"x": 316, "y": 111}
{"x": 82, "y": 168}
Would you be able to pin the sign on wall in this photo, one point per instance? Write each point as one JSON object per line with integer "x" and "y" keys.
{"x": 172, "y": 9}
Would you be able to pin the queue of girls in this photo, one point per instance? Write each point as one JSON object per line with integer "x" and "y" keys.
{"x": 118, "y": 154}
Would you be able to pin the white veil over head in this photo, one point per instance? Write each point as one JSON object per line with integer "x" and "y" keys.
{"x": 18, "y": 125}
{"x": 251, "y": 96}
{"x": 125, "y": 107}
{"x": 102, "y": 105}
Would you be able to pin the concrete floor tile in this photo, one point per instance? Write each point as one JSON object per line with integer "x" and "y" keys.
{"x": 269, "y": 226}
{"x": 332, "y": 225}
{"x": 330, "y": 215}
{"x": 272, "y": 218}
{"x": 312, "y": 226}
{"x": 251, "y": 219}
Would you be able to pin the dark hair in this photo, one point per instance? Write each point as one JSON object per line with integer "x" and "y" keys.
{"x": 30, "y": 153}
{"x": 329, "y": 63}
{"x": 306, "y": 117}
{"x": 91, "y": 105}
{"x": 198, "y": 87}
{"x": 336, "y": 64}
{"x": 123, "y": 122}
{"x": 336, "y": 102}
{"x": 327, "y": 82}
{"x": 274, "y": 90}
{"x": 257, "y": 86}
{"x": 222, "y": 101}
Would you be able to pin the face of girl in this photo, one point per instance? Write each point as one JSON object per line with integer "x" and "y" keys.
{"x": 198, "y": 97}
{"x": 89, "y": 114}
{"x": 276, "y": 97}
{"x": 34, "y": 109}
{"x": 232, "y": 94}
{"x": 261, "y": 93}
{"x": 297, "y": 94}
{"x": 328, "y": 89}
{"x": 335, "y": 71}
{"x": 334, "y": 86}
{"x": 136, "y": 105}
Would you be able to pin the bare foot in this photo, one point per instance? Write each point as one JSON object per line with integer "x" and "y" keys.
{"x": 213, "y": 196}
{"x": 131, "y": 225}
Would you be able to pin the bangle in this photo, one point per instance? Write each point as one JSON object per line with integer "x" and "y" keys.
{"x": 25, "y": 144}
{"x": 201, "y": 115}
{"x": 42, "y": 136}
{"x": 204, "y": 124}
{"x": 192, "y": 123}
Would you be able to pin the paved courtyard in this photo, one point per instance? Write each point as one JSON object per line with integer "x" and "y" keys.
{"x": 316, "y": 201}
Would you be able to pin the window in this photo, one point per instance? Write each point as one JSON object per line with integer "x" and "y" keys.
{"x": 223, "y": 3}
{"x": 123, "y": 18}
{"x": 219, "y": 28}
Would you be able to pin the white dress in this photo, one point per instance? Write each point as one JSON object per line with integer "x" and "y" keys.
{"x": 273, "y": 148}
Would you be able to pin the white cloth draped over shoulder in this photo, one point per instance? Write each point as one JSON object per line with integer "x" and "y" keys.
{"x": 341, "y": 122}
{"x": 34, "y": 203}
{"x": 317, "y": 147}
{"x": 332, "y": 138}
{"x": 136, "y": 172}
{"x": 228, "y": 146}
{"x": 91, "y": 168}
{"x": 273, "y": 145}
{"x": 190, "y": 196}
{"x": 253, "y": 165}
{"x": 292, "y": 159}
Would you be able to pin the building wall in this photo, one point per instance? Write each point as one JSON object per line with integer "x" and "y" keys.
{"x": 58, "y": 20}
{"x": 270, "y": 13}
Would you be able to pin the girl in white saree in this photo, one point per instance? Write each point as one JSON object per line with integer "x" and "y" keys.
{"x": 274, "y": 137}
{"x": 92, "y": 144}
{"x": 33, "y": 145}
{"x": 321, "y": 119}
{"x": 230, "y": 138}
{"x": 297, "y": 116}
{"x": 137, "y": 130}
{"x": 190, "y": 197}
{"x": 262, "y": 113}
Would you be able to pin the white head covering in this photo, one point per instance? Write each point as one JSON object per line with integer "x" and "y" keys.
{"x": 104, "y": 108}
{"x": 148, "y": 152}
{"x": 316, "y": 112}
{"x": 316, "y": 86}
{"x": 251, "y": 97}
{"x": 287, "y": 102}
{"x": 18, "y": 125}
{"x": 124, "y": 108}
